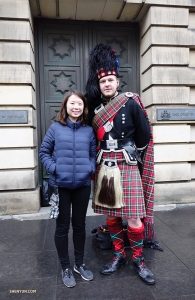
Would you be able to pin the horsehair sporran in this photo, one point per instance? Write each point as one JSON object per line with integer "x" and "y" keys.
{"x": 109, "y": 189}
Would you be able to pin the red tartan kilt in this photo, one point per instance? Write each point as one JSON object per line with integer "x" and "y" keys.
{"x": 133, "y": 197}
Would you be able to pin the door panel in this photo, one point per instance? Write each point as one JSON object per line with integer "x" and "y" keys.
{"x": 121, "y": 41}
{"x": 63, "y": 50}
{"x": 62, "y": 46}
{"x": 60, "y": 80}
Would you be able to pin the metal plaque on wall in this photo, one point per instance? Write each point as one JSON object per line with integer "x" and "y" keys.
{"x": 175, "y": 114}
{"x": 13, "y": 116}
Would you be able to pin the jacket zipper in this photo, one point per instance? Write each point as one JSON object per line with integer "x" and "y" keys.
{"x": 74, "y": 155}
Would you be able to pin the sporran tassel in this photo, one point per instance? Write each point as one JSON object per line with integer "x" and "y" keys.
{"x": 111, "y": 192}
{"x": 103, "y": 195}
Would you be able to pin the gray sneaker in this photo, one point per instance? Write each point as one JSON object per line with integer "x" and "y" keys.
{"x": 68, "y": 278}
{"x": 85, "y": 273}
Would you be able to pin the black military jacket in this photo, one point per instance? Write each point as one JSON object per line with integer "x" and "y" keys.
{"x": 130, "y": 122}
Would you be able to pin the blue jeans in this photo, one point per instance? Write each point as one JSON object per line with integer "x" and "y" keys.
{"x": 78, "y": 199}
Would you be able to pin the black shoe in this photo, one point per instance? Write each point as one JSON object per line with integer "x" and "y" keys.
{"x": 144, "y": 273}
{"x": 112, "y": 266}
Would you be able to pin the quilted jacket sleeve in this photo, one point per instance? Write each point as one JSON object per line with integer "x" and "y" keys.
{"x": 46, "y": 150}
{"x": 93, "y": 151}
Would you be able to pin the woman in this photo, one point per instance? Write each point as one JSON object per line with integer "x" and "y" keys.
{"x": 68, "y": 153}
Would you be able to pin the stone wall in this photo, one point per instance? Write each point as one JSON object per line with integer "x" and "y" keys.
{"x": 168, "y": 81}
{"x": 19, "y": 192}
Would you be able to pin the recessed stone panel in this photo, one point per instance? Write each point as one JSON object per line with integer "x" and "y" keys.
{"x": 193, "y": 170}
{"x": 17, "y": 137}
{"x": 164, "y": 56}
{"x": 17, "y": 95}
{"x": 20, "y": 202}
{"x": 18, "y": 159}
{"x": 192, "y": 20}
{"x": 168, "y": 16}
{"x": 16, "y": 52}
{"x": 167, "y": 36}
{"x": 13, "y": 9}
{"x": 168, "y": 3}
{"x": 172, "y": 172}
{"x": 17, "y": 74}
{"x": 178, "y": 192}
{"x": 16, "y": 31}
{"x": 168, "y": 76}
{"x": 168, "y": 95}
{"x": 192, "y": 96}
{"x": 18, "y": 179}
{"x": 192, "y": 58}
{"x": 192, "y": 133}
{"x": 171, "y": 134}
{"x": 174, "y": 153}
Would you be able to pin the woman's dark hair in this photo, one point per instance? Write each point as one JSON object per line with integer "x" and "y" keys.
{"x": 62, "y": 115}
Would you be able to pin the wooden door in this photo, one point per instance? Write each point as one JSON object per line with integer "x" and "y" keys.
{"x": 62, "y": 51}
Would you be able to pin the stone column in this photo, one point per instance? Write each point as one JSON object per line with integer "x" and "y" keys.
{"x": 167, "y": 81}
{"x": 19, "y": 192}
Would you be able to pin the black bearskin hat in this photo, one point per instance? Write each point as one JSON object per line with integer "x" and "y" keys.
{"x": 103, "y": 61}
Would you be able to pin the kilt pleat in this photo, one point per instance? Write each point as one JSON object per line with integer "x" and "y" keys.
{"x": 133, "y": 198}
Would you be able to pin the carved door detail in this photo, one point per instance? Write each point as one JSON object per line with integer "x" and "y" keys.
{"x": 63, "y": 49}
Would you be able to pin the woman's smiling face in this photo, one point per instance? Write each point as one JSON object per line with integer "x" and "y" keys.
{"x": 74, "y": 107}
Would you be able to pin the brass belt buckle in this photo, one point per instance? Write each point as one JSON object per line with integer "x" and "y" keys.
{"x": 111, "y": 144}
